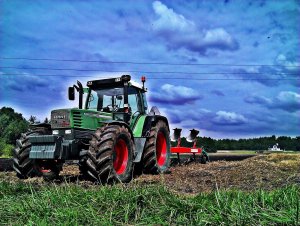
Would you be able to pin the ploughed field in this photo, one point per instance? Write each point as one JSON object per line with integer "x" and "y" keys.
{"x": 266, "y": 172}
{"x": 261, "y": 190}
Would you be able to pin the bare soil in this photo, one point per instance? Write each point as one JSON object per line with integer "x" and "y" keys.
{"x": 260, "y": 172}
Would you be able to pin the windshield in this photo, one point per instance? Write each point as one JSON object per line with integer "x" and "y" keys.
{"x": 112, "y": 99}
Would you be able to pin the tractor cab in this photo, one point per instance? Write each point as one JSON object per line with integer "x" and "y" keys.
{"x": 124, "y": 99}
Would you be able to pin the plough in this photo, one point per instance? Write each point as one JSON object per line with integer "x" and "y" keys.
{"x": 193, "y": 151}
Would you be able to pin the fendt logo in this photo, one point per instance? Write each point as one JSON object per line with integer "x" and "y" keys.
{"x": 59, "y": 116}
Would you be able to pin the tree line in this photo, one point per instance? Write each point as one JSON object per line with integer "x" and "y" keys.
{"x": 258, "y": 144}
{"x": 12, "y": 124}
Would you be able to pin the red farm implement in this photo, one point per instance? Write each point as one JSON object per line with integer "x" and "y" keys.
{"x": 191, "y": 152}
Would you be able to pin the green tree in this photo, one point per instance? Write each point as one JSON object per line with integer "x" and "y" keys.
{"x": 46, "y": 120}
{"x": 32, "y": 119}
{"x": 13, "y": 131}
{"x": 11, "y": 125}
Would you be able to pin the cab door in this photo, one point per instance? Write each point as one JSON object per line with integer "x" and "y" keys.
{"x": 135, "y": 107}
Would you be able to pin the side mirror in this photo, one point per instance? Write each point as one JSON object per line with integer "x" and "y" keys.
{"x": 71, "y": 93}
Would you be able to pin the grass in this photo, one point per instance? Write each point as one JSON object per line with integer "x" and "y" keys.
{"x": 70, "y": 204}
{"x": 240, "y": 152}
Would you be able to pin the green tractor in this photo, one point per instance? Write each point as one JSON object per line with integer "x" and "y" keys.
{"x": 109, "y": 136}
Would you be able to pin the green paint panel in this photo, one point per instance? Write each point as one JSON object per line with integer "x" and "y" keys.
{"x": 88, "y": 119}
{"x": 93, "y": 119}
{"x": 138, "y": 129}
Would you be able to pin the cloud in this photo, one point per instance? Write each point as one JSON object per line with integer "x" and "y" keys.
{"x": 266, "y": 75}
{"x": 176, "y": 95}
{"x": 220, "y": 39}
{"x": 24, "y": 82}
{"x": 289, "y": 65}
{"x": 180, "y": 32}
{"x": 218, "y": 93}
{"x": 286, "y": 100}
{"x": 255, "y": 99}
{"x": 169, "y": 20}
{"x": 229, "y": 118}
{"x": 269, "y": 75}
{"x": 251, "y": 122}
{"x": 282, "y": 60}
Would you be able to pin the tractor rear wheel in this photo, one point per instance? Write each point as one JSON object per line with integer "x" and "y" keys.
{"x": 24, "y": 166}
{"x": 156, "y": 156}
{"x": 110, "y": 155}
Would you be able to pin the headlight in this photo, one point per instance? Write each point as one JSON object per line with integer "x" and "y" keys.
{"x": 55, "y": 132}
{"x": 68, "y": 131}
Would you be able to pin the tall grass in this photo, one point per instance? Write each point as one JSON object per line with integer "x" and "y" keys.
{"x": 139, "y": 205}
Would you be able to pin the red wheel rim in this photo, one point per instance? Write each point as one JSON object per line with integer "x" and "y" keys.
{"x": 161, "y": 149}
{"x": 43, "y": 167}
{"x": 43, "y": 170}
{"x": 120, "y": 157}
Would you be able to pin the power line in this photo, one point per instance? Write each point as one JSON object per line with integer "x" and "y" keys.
{"x": 142, "y": 63}
{"x": 178, "y": 78}
{"x": 146, "y": 72}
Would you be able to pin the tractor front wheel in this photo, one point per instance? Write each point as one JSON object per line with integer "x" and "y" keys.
{"x": 156, "y": 156}
{"x": 21, "y": 162}
{"x": 26, "y": 167}
{"x": 110, "y": 155}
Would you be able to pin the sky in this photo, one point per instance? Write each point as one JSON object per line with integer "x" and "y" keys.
{"x": 228, "y": 68}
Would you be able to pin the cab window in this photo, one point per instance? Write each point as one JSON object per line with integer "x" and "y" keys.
{"x": 133, "y": 103}
{"x": 113, "y": 100}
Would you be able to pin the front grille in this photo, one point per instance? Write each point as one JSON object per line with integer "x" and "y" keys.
{"x": 60, "y": 118}
{"x": 77, "y": 119}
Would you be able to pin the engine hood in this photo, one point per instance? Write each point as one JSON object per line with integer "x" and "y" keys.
{"x": 78, "y": 118}
{"x": 88, "y": 119}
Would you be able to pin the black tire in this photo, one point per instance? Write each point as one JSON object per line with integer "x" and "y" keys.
{"x": 83, "y": 166}
{"x": 21, "y": 162}
{"x": 110, "y": 155}
{"x": 154, "y": 161}
{"x": 26, "y": 167}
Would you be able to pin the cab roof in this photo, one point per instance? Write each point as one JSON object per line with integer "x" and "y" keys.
{"x": 114, "y": 82}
